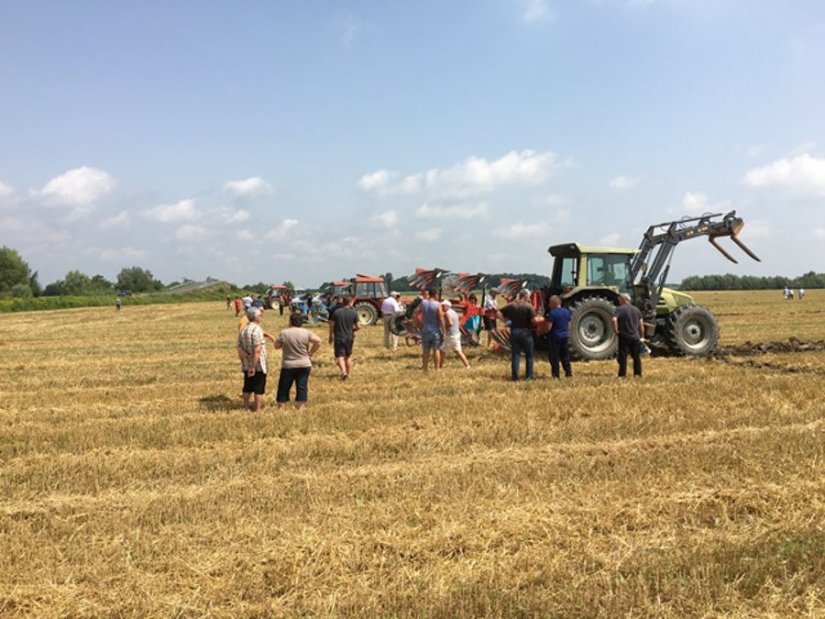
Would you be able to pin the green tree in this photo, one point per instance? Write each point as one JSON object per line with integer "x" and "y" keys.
{"x": 137, "y": 280}
{"x": 14, "y": 271}
{"x": 290, "y": 286}
{"x": 76, "y": 283}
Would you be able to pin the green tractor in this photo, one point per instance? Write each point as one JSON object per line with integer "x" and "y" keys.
{"x": 590, "y": 279}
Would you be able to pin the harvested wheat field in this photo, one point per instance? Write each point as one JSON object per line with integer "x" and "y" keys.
{"x": 134, "y": 485}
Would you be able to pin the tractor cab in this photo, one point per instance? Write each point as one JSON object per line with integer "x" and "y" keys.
{"x": 369, "y": 287}
{"x": 577, "y": 266}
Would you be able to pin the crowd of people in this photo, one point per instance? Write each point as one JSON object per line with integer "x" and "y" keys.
{"x": 440, "y": 335}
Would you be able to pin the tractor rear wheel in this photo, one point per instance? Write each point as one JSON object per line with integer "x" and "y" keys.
{"x": 692, "y": 330}
{"x": 591, "y": 329}
{"x": 367, "y": 314}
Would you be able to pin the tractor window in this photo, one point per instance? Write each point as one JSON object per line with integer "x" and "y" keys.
{"x": 564, "y": 274}
{"x": 381, "y": 290}
{"x": 363, "y": 290}
{"x": 609, "y": 270}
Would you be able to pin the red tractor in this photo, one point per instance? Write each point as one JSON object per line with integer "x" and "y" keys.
{"x": 369, "y": 293}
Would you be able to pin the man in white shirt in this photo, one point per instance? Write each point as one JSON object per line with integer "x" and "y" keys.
{"x": 452, "y": 339}
{"x": 388, "y": 310}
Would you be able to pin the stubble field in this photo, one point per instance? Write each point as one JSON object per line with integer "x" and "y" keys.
{"x": 134, "y": 485}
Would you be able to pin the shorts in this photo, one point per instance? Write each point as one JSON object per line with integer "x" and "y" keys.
{"x": 431, "y": 339}
{"x": 452, "y": 343}
{"x": 489, "y": 323}
{"x": 343, "y": 348}
{"x": 254, "y": 384}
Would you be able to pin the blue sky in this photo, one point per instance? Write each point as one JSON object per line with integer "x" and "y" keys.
{"x": 264, "y": 141}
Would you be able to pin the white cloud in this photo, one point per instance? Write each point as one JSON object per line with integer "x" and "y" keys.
{"x": 623, "y": 182}
{"x": 185, "y": 210}
{"x": 695, "y": 203}
{"x": 387, "y": 219}
{"x": 190, "y": 232}
{"x": 433, "y": 234}
{"x": 535, "y": 10}
{"x": 375, "y": 182}
{"x": 232, "y": 216}
{"x": 282, "y": 229}
{"x": 521, "y": 231}
{"x": 611, "y": 239}
{"x": 248, "y": 187}
{"x": 453, "y": 211}
{"x": 121, "y": 254}
{"x": 79, "y": 188}
{"x": 474, "y": 176}
{"x": 121, "y": 220}
{"x": 758, "y": 229}
{"x": 819, "y": 233}
{"x": 802, "y": 174}
{"x": 244, "y": 235}
{"x": 6, "y": 191}
{"x": 755, "y": 150}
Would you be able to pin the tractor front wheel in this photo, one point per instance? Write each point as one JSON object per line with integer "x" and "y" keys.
{"x": 367, "y": 314}
{"x": 692, "y": 330}
{"x": 591, "y": 329}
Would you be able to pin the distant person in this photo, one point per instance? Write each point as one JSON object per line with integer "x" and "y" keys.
{"x": 801, "y": 293}
{"x": 247, "y": 301}
{"x": 452, "y": 334}
{"x": 298, "y": 345}
{"x": 118, "y": 303}
{"x": 238, "y": 306}
{"x": 389, "y": 308}
{"x": 432, "y": 328}
{"x": 790, "y": 294}
{"x": 522, "y": 318}
{"x": 228, "y": 302}
{"x": 630, "y": 327}
{"x": 343, "y": 324}
{"x": 558, "y": 337}
{"x": 252, "y": 353}
{"x": 490, "y": 311}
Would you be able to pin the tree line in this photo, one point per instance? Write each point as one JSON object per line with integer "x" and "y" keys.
{"x": 752, "y": 282}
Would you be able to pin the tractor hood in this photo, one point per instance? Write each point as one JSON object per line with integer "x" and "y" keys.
{"x": 673, "y": 298}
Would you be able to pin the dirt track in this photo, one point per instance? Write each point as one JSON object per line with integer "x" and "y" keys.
{"x": 750, "y": 349}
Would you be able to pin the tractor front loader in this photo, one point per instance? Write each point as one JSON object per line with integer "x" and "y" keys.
{"x": 590, "y": 279}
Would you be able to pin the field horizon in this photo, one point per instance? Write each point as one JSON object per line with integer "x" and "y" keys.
{"x": 133, "y": 484}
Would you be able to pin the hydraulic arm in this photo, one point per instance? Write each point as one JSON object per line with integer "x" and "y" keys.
{"x": 649, "y": 268}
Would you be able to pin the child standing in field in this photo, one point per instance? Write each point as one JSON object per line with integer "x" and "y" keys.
{"x": 298, "y": 346}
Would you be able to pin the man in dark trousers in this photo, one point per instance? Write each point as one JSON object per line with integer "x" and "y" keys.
{"x": 558, "y": 337}
{"x": 343, "y": 323}
{"x": 522, "y": 317}
{"x": 630, "y": 327}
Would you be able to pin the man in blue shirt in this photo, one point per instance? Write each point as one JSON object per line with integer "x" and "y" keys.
{"x": 558, "y": 336}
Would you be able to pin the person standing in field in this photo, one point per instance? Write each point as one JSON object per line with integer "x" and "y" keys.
{"x": 522, "y": 318}
{"x": 490, "y": 311}
{"x": 238, "y": 306}
{"x": 558, "y": 337}
{"x": 432, "y": 328}
{"x": 118, "y": 303}
{"x": 228, "y": 302}
{"x": 388, "y": 310}
{"x": 452, "y": 335}
{"x": 801, "y": 293}
{"x": 252, "y": 353}
{"x": 343, "y": 323}
{"x": 298, "y": 345}
{"x": 630, "y": 327}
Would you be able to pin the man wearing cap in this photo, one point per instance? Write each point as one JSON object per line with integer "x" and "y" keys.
{"x": 388, "y": 310}
{"x": 252, "y": 353}
{"x": 452, "y": 337}
{"x": 629, "y": 325}
{"x": 522, "y": 317}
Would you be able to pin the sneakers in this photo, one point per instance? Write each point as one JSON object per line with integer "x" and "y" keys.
{"x": 344, "y": 376}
